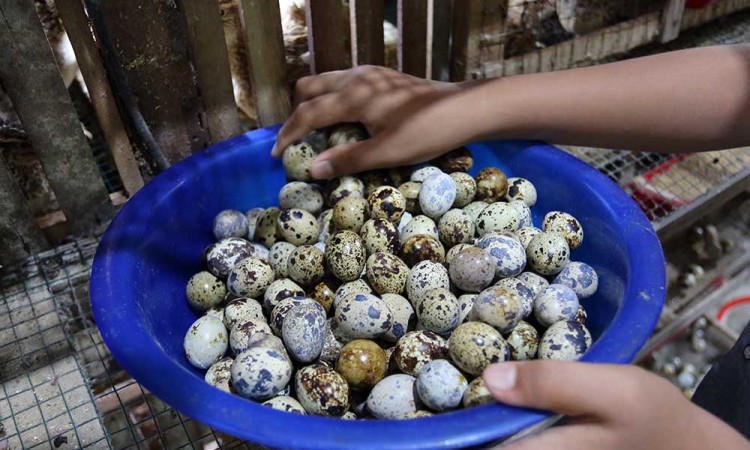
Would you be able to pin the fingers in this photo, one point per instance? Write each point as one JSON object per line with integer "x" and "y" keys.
{"x": 351, "y": 158}
{"x": 314, "y": 86}
{"x": 318, "y": 112}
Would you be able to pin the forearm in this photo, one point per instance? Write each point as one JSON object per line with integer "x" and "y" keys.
{"x": 690, "y": 100}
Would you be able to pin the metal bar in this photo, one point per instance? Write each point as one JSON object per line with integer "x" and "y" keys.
{"x": 366, "y": 20}
{"x": 326, "y": 35}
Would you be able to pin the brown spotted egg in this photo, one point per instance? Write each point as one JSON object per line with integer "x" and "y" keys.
{"x": 219, "y": 374}
{"x": 352, "y": 287}
{"x": 492, "y": 184}
{"x": 523, "y": 342}
{"x": 521, "y": 189}
{"x": 475, "y": 345}
{"x": 438, "y": 311}
{"x": 347, "y": 133}
{"x": 362, "y": 363}
{"x": 280, "y": 311}
{"x": 242, "y": 332}
{"x": 477, "y": 394}
{"x": 260, "y": 373}
{"x": 410, "y": 191}
{"x": 423, "y": 277}
{"x": 206, "y": 342}
{"x": 417, "y": 348}
{"x": 581, "y": 316}
{"x": 223, "y": 255}
{"x": 298, "y": 227}
{"x": 472, "y": 270}
{"x": 394, "y": 397}
{"x": 417, "y": 414}
{"x": 466, "y": 189}
{"x": 241, "y": 310}
{"x": 324, "y": 292}
{"x": 321, "y": 390}
{"x": 404, "y": 317}
{"x": 465, "y": 305}
{"x": 422, "y": 248}
{"x": 204, "y": 291}
{"x": 350, "y": 213}
{"x": 279, "y": 290}
{"x": 345, "y": 186}
{"x": 498, "y": 306}
{"x": 374, "y": 179}
{"x": 278, "y": 257}
{"x": 345, "y": 255}
{"x": 306, "y": 265}
{"x": 499, "y": 216}
{"x": 301, "y": 195}
{"x": 250, "y": 278}
{"x": 533, "y": 281}
{"x": 565, "y": 224}
{"x": 525, "y": 294}
{"x": 455, "y": 227}
{"x": 363, "y": 316}
{"x": 386, "y": 273}
{"x": 298, "y": 159}
{"x": 525, "y": 235}
{"x": 457, "y": 160}
{"x": 266, "y": 231}
{"x": 524, "y": 213}
{"x": 386, "y": 202}
{"x": 380, "y": 235}
{"x": 548, "y": 253}
{"x": 564, "y": 341}
{"x": 419, "y": 225}
{"x": 474, "y": 209}
{"x": 285, "y": 403}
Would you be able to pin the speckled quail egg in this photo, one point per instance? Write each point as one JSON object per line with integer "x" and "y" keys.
{"x": 353, "y": 287}
{"x": 362, "y": 364}
{"x": 466, "y": 189}
{"x": 345, "y": 186}
{"x": 350, "y": 213}
{"x": 252, "y": 216}
{"x": 321, "y": 390}
{"x": 325, "y": 225}
{"x": 475, "y": 345}
{"x": 332, "y": 345}
{"x": 440, "y": 385}
{"x": 581, "y": 316}
{"x": 524, "y": 213}
{"x": 417, "y": 348}
{"x": 564, "y": 341}
{"x": 457, "y": 160}
{"x": 242, "y": 332}
{"x": 548, "y": 253}
{"x": 404, "y": 317}
{"x": 533, "y": 281}
{"x": 223, "y": 255}
{"x": 525, "y": 234}
{"x": 465, "y": 305}
{"x": 279, "y": 290}
{"x": 260, "y": 373}
{"x": 250, "y": 278}
{"x": 230, "y": 223}
{"x": 216, "y": 311}
{"x": 499, "y": 307}
{"x": 509, "y": 254}
{"x": 386, "y": 202}
{"x": 304, "y": 332}
{"x": 410, "y": 191}
{"x": 405, "y": 219}
{"x": 285, "y": 403}
{"x": 423, "y": 173}
{"x": 347, "y": 133}
{"x": 477, "y": 394}
{"x": 363, "y": 316}
{"x": 261, "y": 251}
{"x": 450, "y": 255}
{"x": 241, "y": 310}
{"x": 525, "y": 294}
{"x": 419, "y": 225}
{"x": 324, "y": 292}
{"x": 298, "y": 227}
{"x": 219, "y": 374}
{"x": 266, "y": 231}
{"x": 437, "y": 195}
{"x": 422, "y": 248}
{"x": 345, "y": 255}
{"x": 280, "y": 311}
{"x": 565, "y": 224}
{"x": 492, "y": 185}
{"x": 455, "y": 227}
{"x": 497, "y": 217}
{"x": 393, "y": 397}
{"x": 373, "y": 179}
{"x": 556, "y": 302}
{"x": 380, "y": 235}
{"x": 472, "y": 270}
{"x": 386, "y": 273}
{"x": 417, "y": 414}
{"x": 521, "y": 189}
{"x": 298, "y": 159}
{"x": 423, "y": 277}
{"x": 206, "y": 342}
{"x": 580, "y": 277}
{"x": 306, "y": 265}
{"x": 300, "y": 195}
{"x": 523, "y": 341}
{"x": 268, "y": 341}
{"x": 438, "y": 311}
{"x": 278, "y": 257}
{"x": 204, "y": 291}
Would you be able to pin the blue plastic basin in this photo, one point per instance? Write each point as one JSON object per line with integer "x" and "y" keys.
{"x": 154, "y": 245}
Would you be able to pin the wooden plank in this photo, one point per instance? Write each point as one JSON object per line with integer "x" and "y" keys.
{"x": 465, "y": 39}
{"x": 103, "y": 100}
{"x": 19, "y": 235}
{"x": 671, "y": 20}
{"x": 266, "y": 61}
{"x": 150, "y": 42}
{"x": 29, "y": 72}
{"x": 366, "y": 21}
{"x": 211, "y": 61}
{"x": 326, "y": 35}
{"x": 439, "y": 35}
{"x": 493, "y": 24}
{"x": 531, "y": 62}
{"x": 547, "y": 59}
{"x": 563, "y": 54}
{"x": 412, "y": 37}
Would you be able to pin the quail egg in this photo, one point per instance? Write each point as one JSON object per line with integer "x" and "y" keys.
{"x": 499, "y": 307}
{"x": 453, "y": 252}
{"x": 521, "y": 189}
{"x": 498, "y": 217}
{"x": 321, "y": 390}
{"x": 394, "y": 397}
{"x": 404, "y": 317}
{"x": 352, "y": 287}
{"x": 205, "y": 342}
{"x": 423, "y": 173}
{"x": 204, "y": 291}
{"x": 304, "y": 332}
{"x": 261, "y": 251}
{"x": 474, "y": 209}
{"x": 410, "y": 191}
{"x": 361, "y": 363}
{"x": 252, "y": 216}
{"x": 279, "y": 290}
{"x": 216, "y": 311}
{"x": 285, "y": 403}
{"x": 223, "y": 255}
{"x": 423, "y": 277}
{"x": 250, "y": 278}
{"x": 345, "y": 255}
{"x": 580, "y": 277}
{"x": 405, "y": 219}
{"x": 422, "y": 248}
{"x": 525, "y": 294}
{"x": 437, "y": 195}
{"x": 564, "y": 341}
{"x": 565, "y": 224}
{"x": 533, "y": 281}
{"x": 440, "y": 385}
{"x": 298, "y": 227}
{"x": 268, "y": 341}
{"x": 332, "y": 346}
{"x": 300, "y": 195}
{"x": 509, "y": 254}
{"x": 466, "y": 189}
{"x": 400, "y": 175}
{"x": 242, "y": 332}
{"x": 266, "y": 231}
{"x": 350, "y": 213}
{"x": 492, "y": 185}
{"x": 525, "y": 234}
{"x": 380, "y": 235}
{"x": 280, "y": 311}
{"x": 417, "y": 348}
{"x": 374, "y": 179}
{"x": 230, "y": 223}
{"x": 260, "y": 373}
{"x": 345, "y": 186}
{"x": 420, "y": 225}
{"x": 386, "y": 202}
{"x": 548, "y": 253}
{"x": 465, "y": 305}
{"x": 363, "y": 316}
{"x": 305, "y": 265}
{"x": 581, "y": 316}
{"x": 298, "y": 159}
{"x": 472, "y": 270}
{"x": 241, "y": 310}
{"x": 477, "y": 394}
{"x": 523, "y": 342}
{"x": 524, "y": 213}
{"x": 347, "y": 133}
{"x": 324, "y": 292}
{"x": 326, "y": 226}
{"x": 417, "y": 414}
{"x": 457, "y": 160}
{"x": 279, "y": 257}
{"x": 219, "y": 374}
{"x": 475, "y": 345}
{"x": 438, "y": 311}
{"x": 456, "y": 227}
{"x": 556, "y": 302}
{"x": 387, "y": 273}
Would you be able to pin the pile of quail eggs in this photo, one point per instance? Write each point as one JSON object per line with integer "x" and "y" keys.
{"x": 385, "y": 295}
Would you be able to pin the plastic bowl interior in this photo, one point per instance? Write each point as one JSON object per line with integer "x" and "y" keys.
{"x": 154, "y": 244}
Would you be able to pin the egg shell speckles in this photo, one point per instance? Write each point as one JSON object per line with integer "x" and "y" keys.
{"x": 457, "y": 160}
{"x": 374, "y": 179}
{"x": 300, "y": 195}
{"x": 250, "y": 278}
{"x": 259, "y": 373}
{"x": 387, "y": 273}
{"x": 219, "y": 375}
{"x": 205, "y": 342}
{"x": 580, "y": 277}
{"x": 347, "y": 133}
{"x": 533, "y": 281}
{"x": 306, "y": 265}
{"x": 521, "y": 189}
{"x": 279, "y": 290}
{"x": 332, "y": 346}
{"x": 466, "y": 189}
{"x": 380, "y": 235}
{"x": 455, "y": 227}
{"x": 386, "y": 202}
{"x": 204, "y": 291}
{"x": 525, "y": 234}
{"x": 241, "y": 310}
{"x": 266, "y": 231}
{"x": 345, "y": 255}
{"x": 472, "y": 270}
{"x": 419, "y": 225}
{"x": 268, "y": 341}
{"x": 438, "y": 311}
{"x": 525, "y": 294}
{"x": 252, "y": 216}
{"x": 498, "y": 306}
{"x": 324, "y": 292}
{"x": 423, "y": 173}
{"x": 451, "y": 254}
{"x": 581, "y": 316}
{"x": 223, "y": 255}
{"x": 304, "y": 332}
{"x": 417, "y": 414}
{"x": 555, "y": 303}
{"x": 345, "y": 186}
{"x": 564, "y": 341}
{"x": 230, "y": 223}
{"x": 465, "y": 305}
{"x": 363, "y": 316}
{"x": 298, "y": 159}
{"x": 524, "y": 213}
{"x": 474, "y": 209}
{"x": 404, "y": 316}
{"x": 362, "y": 363}
{"x": 239, "y": 337}
{"x": 509, "y": 254}
{"x": 276, "y": 320}
{"x": 393, "y": 397}
{"x": 437, "y": 195}
{"x": 423, "y": 277}
{"x": 422, "y": 248}
{"x": 216, "y": 311}
{"x": 440, "y": 385}
{"x": 298, "y": 226}
{"x": 477, "y": 394}
{"x": 352, "y": 287}
{"x": 565, "y": 224}
{"x": 285, "y": 403}
{"x": 498, "y": 217}
{"x": 492, "y": 184}
{"x": 322, "y": 391}
{"x": 475, "y": 345}
{"x": 410, "y": 191}
{"x": 523, "y": 342}
{"x": 350, "y": 213}
{"x": 417, "y": 348}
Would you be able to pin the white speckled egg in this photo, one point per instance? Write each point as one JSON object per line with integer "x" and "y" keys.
{"x": 455, "y": 227}
{"x": 321, "y": 390}
{"x": 556, "y": 302}
{"x": 475, "y": 345}
{"x": 298, "y": 159}
{"x": 499, "y": 216}
{"x": 533, "y": 281}
{"x": 548, "y": 253}
{"x": 223, "y": 255}
{"x": 268, "y": 341}
{"x": 332, "y": 345}
{"x": 405, "y": 219}
{"x": 580, "y": 277}
{"x": 393, "y": 397}
{"x": 306, "y": 265}
{"x": 564, "y": 341}
{"x": 250, "y": 278}
{"x": 524, "y": 213}
{"x": 285, "y": 403}
{"x": 363, "y": 316}
{"x": 472, "y": 270}
{"x": 298, "y": 227}
{"x": 410, "y": 191}
{"x": 525, "y": 234}
{"x": 423, "y": 173}
{"x": 279, "y": 290}
{"x": 266, "y": 230}
{"x": 276, "y": 319}
{"x": 465, "y": 305}
{"x": 509, "y": 254}
{"x": 242, "y": 332}
{"x": 325, "y": 225}
{"x": 304, "y": 332}
{"x": 349, "y": 416}
{"x": 438, "y": 311}
{"x": 278, "y": 257}
{"x": 474, "y": 209}
{"x": 404, "y": 317}
{"x": 424, "y": 276}
{"x": 387, "y": 273}
{"x": 345, "y": 255}
{"x": 499, "y": 307}
{"x": 346, "y": 133}
{"x": 525, "y": 294}
{"x": 261, "y": 251}
{"x": 565, "y": 224}
{"x": 301, "y": 195}
{"x": 523, "y": 342}
{"x": 252, "y": 216}
{"x": 241, "y": 310}
{"x": 453, "y": 252}
{"x": 386, "y": 202}
{"x": 206, "y": 342}
{"x": 230, "y": 223}
{"x": 419, "y": 225}
{"x": 417, "y": 348}
{"x": 350, "y": 213}
{"x": 352, "y": 287}
{"x": 260, "y": 373}
{"x": 380, "y": 235}
{"x": 521, "y": 189}
{"x": 440, "y": 385}
{"x": 219, "y": 374}
{"x": 466, "y": 189}
{"x": 437, "y": 195}
{"x": 345, "y": 186}
{"x": 204, "y": 291}
{"x": 216, "y": 311}
{"x": 477, "y": 394}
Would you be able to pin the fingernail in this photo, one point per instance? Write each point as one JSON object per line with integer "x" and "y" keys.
{"x": 273, "y": 149}
{"x": 500, "y": 377}
{"x": 322, "y": 170}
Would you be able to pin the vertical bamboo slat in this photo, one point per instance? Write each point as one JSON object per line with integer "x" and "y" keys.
{"x": 671, "y": 20}
{"x": 326, "y": 35}
{"x": 19, "y": 235}
{"x": 366, "y": 19}
{"x": 439, "y": 29}
{"x": 465, "y": 52}
{"x": 412, "y": 37}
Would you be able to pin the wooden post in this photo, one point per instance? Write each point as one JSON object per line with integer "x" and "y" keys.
{"x": 211, "y": 61}
{"x": 326, "y": 35}
{"x": 366, "y": 18}
{"x": 494, "y": 17}
{"x": 671, "y": 20}
{"x": 90, "y": 62}
{"x": 36, "y": 89}
{"x": 466, "y": 36}
{"x": 19, "y": 235}
{"x": 266, "y": 61}
{"x": 439, "y": 35}
{"x": 412, "y": 37}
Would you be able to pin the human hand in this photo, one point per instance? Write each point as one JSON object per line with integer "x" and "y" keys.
{"x": 401, "y": 113}
{"x": 611, "y": 407}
